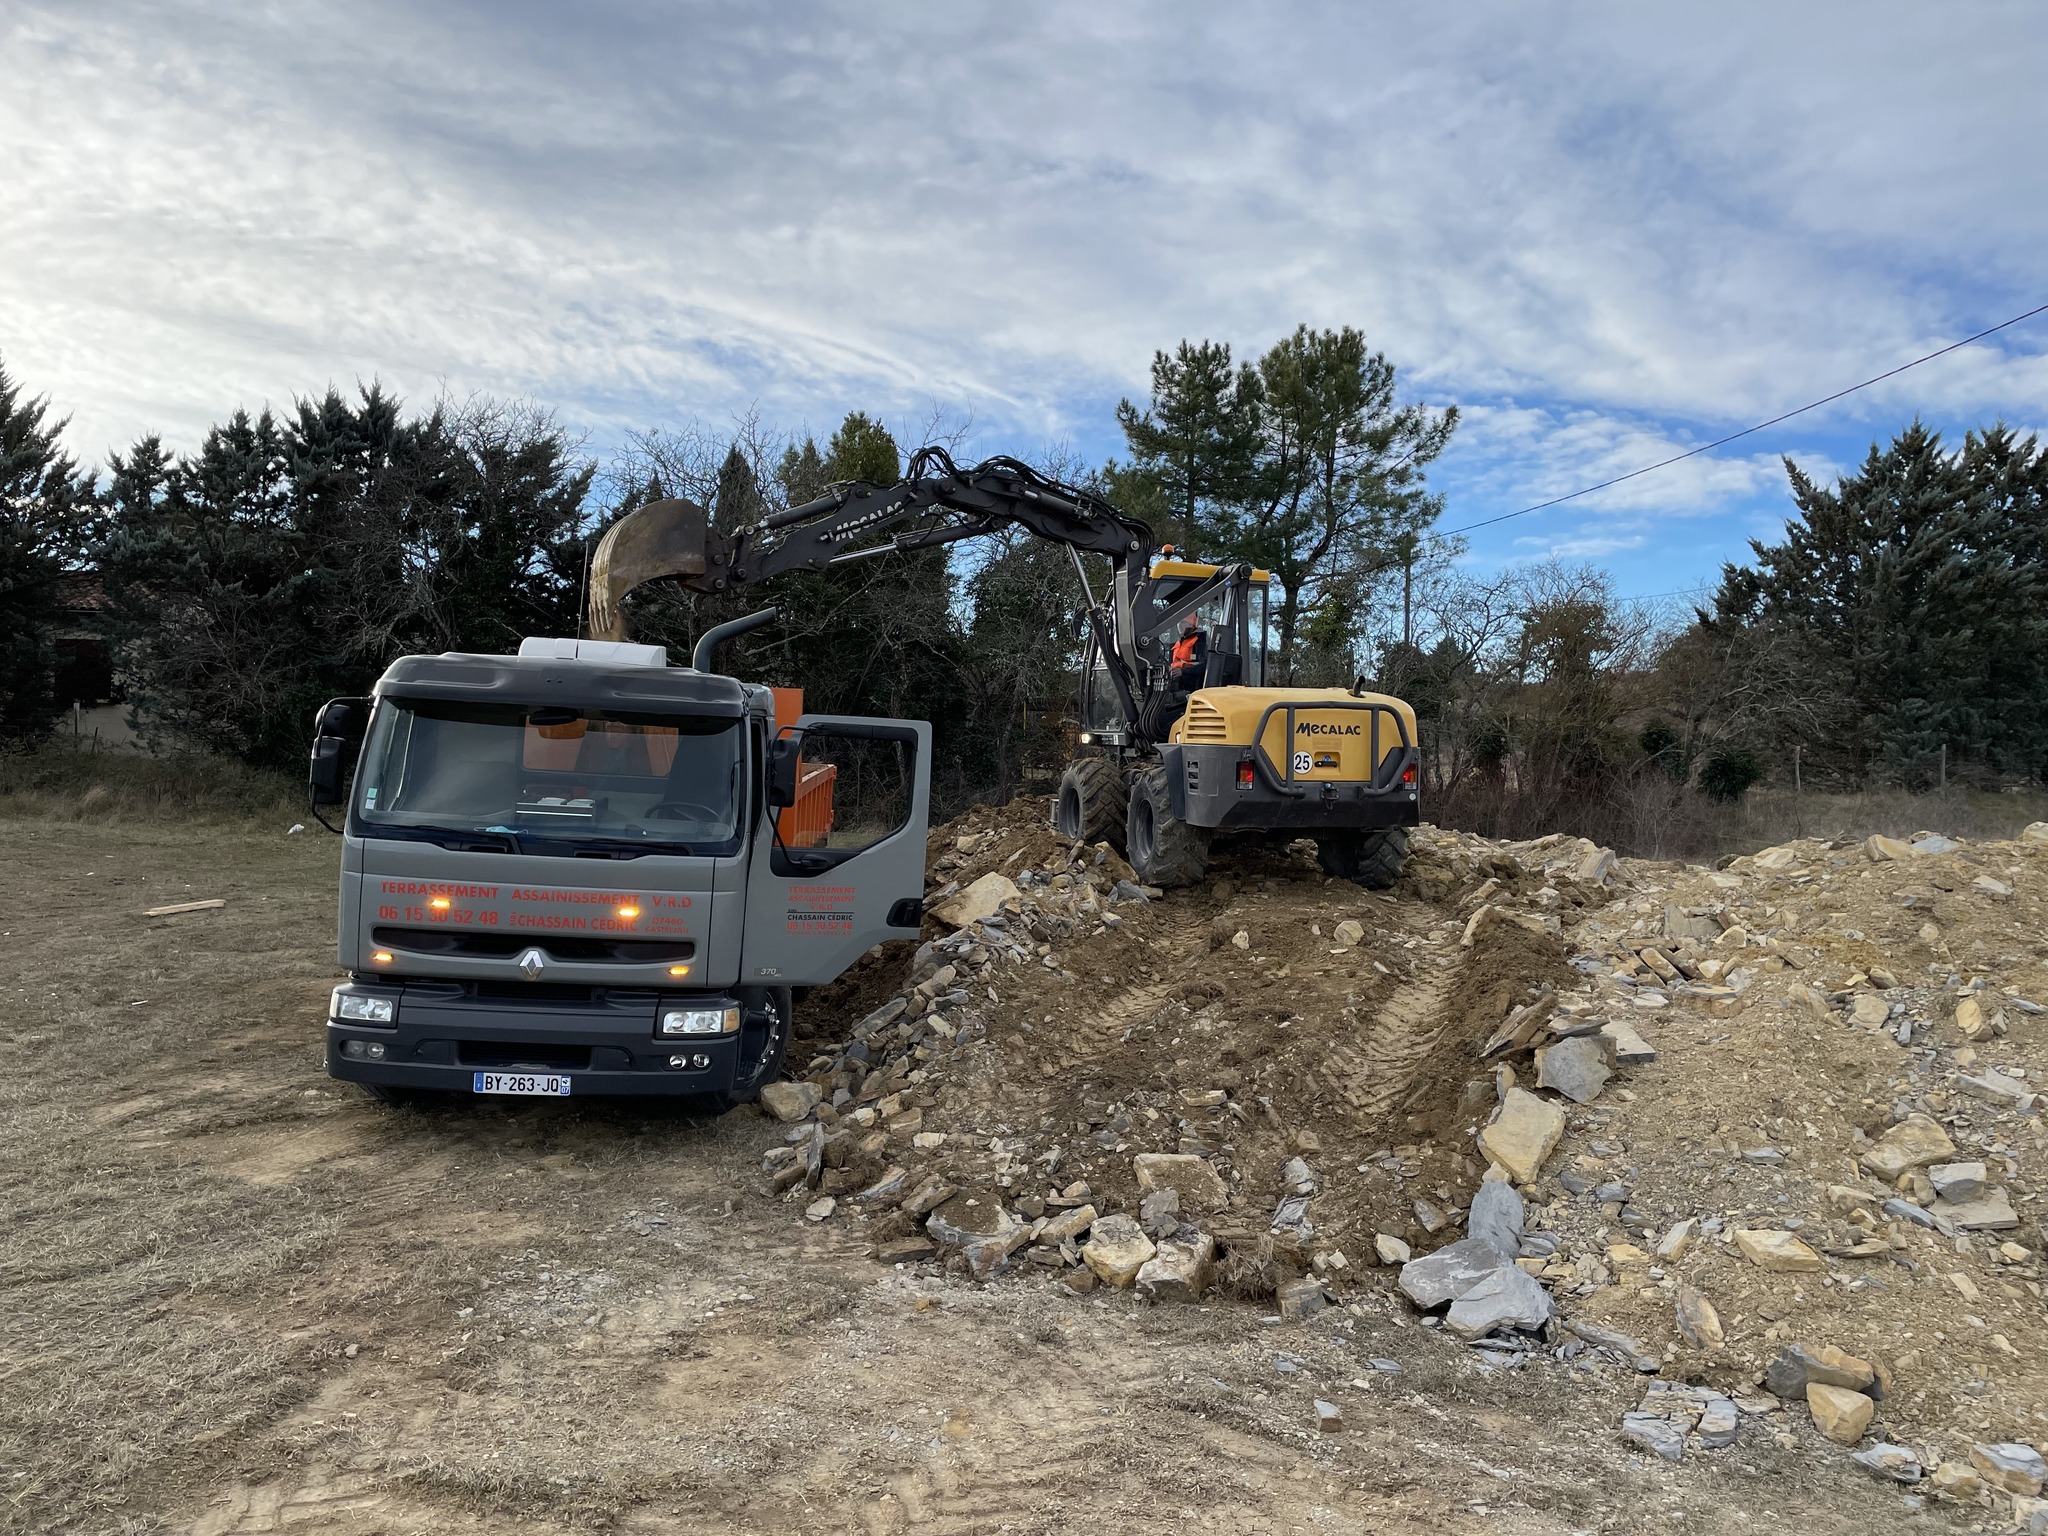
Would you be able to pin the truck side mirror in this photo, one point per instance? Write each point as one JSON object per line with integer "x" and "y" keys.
{"x": 783, "y": 754}
{"x": 337, "y": 726}
{"x": 324, "y": 770}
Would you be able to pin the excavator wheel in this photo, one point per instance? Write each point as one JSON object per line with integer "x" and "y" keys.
{"x": 1373, "y": 859}
{"x": 1163, "y": 849}
{"x": 1090, "y": 806}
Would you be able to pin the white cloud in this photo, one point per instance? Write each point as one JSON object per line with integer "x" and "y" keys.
{"x": 1588, "y": 224}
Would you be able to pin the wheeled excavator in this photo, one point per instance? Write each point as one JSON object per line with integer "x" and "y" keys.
{"x": 1167, "y": 761}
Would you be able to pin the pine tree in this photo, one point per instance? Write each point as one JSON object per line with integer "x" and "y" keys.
{"x": 1196, "y": 442}
{"x": 43, "y": 499}
{"x": 1915, "y": 590}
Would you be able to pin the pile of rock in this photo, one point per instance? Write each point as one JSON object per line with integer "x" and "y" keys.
{"x": 1480, "y": 1282}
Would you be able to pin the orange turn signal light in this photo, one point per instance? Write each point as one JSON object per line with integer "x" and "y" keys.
{"x": 438, "y": 903}
{"x": 629, "y": 911}
{"x": 381, "y": 956}
{"x": 679, "y": 970}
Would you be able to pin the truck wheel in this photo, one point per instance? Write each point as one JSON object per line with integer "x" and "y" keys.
{"x": 1373, "y": 859}
{"x": 1091, "y": 803}
{"x": 767, "y": 1066}
{"x": 1163, "y": 849}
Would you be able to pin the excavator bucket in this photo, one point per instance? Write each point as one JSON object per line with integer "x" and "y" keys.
{"x": 663, "y": 538}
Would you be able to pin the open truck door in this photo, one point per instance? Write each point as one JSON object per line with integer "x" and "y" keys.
{"x": 860, "y": 791}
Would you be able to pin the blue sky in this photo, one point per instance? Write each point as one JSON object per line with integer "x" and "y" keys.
{"x": 1607, "y": 232}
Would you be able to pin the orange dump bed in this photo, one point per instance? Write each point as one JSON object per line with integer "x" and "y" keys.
{"x": 808, "y": 823}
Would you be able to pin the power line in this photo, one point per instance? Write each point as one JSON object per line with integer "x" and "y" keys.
{"x": 1746, "y": 431}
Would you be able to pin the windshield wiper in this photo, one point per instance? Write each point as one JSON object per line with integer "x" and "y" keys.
{"x": 606, "y": 847}
{"x": 455, "y": 839}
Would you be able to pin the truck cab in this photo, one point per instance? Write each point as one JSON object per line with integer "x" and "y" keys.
{"x": 581, "y": 870}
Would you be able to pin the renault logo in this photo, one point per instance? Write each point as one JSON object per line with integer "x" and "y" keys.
{"x": 531, "y": 964}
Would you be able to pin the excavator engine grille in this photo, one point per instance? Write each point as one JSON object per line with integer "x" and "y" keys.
{"x": 1204, "y": 723}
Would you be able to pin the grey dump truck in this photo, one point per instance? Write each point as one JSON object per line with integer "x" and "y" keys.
{"x": 582, "y": 870}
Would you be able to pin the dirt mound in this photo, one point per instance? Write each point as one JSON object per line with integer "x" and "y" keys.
{"x": 1703, "y": 1063}
{"x": 1271, "y": 1014}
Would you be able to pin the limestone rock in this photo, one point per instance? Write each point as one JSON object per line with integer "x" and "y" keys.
{"x": 1996, "y": 1087}
{"x": 1774, "y": 859}
{"x": 1775, "y": 1250}
{"x": 790, "y": 1102}
{"x": 1329, "y": 1417}
{"x": 1970, "y": 1019}
{"x": 1391, "y": 1250}
{"x": 1957, "y": 1181}
{"x": 1116, "y": 1250}
{"x": 1624, "y": 1045}
{"x": 1838, "y": 1413}
{"x": 1884, "y": 850}
{"x": 1893, "y": 1462}
{"x": 1869, "y": 1010}
{"x": 984, "y": 898}
{"x": 2034, "y": 832}
{"x": 1159, "y": 1212}
{"x": 1302, "y": 1298}
{"x": 1507, "y": 1298}
{"x": 1194, "y": 1178}
{"x": 2012, "y": 1466}
{"x": 1178, "y": 1271}
{"x": 1576, "y": 1068}
{"x": 1798, "y": 1368}
{"x": 1449, "y": 1273}
{"x": 1348, "y": 933}
{"x": 1497, "y": 1217}
{"x": 1068, "y": 1225}
{"x": 1654, "y": 1433}
{"x": 1523, "y": 1132}
{"x": 1955, "y": 1479}
{"x": 1698, "y": 1320}
{"x": 1678, "y": 1240}
{"x": 1915, "y": 1142}
{"x": 977, "y": 1228}
{"x": 1595, "y": 868}
{"x": 1990, "y": 1212}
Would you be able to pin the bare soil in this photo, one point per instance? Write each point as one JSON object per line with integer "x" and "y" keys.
{"x": 240, "y": 1297}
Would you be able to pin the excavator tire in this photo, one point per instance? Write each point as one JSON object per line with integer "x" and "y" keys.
{"x": 1090, "y": 805}
{"x": 1163, "y": 849}
{"x": 1373, "y": 859}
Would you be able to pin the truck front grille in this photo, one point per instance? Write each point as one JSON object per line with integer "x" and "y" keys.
{"x": 521, "y": 1053}
{"x": 502, "y": 946}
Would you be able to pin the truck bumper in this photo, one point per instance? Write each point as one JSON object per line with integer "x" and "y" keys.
{"x": 444, "y": 1035}
{"x": 1212, "y": 792}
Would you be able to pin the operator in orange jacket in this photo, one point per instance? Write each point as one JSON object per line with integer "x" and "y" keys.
{"x": 1190, "y": 655}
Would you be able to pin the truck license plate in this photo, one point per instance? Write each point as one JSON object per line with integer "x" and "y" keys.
{"x": 523, "y": 1082}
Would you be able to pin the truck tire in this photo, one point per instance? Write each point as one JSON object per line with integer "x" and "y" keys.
{"x": 1090, "y": 807}
{"x": 767, "y": 1066}
{"x": 1373, "y": 859}
{"x": 1163, "y": 849}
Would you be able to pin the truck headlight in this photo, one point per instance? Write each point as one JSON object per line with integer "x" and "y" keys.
{"x": 363, "y": 1007}
{"x": 700, "y": 1021}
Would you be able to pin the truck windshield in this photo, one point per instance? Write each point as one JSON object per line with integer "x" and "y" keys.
{"x": 553, "y": 778}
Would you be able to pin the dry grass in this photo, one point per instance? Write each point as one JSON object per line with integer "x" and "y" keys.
{"x": 62, "y": 782}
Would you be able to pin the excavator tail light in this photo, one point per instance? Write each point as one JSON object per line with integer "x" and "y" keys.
{"x": 1244, "y": 775}
{"x": 1408, "y": 774}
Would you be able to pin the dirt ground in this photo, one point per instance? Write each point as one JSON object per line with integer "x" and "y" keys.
{"x": 240, "y": 1297}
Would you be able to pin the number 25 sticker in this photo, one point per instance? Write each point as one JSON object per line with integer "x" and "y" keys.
{"x": 1302, "y": 763}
